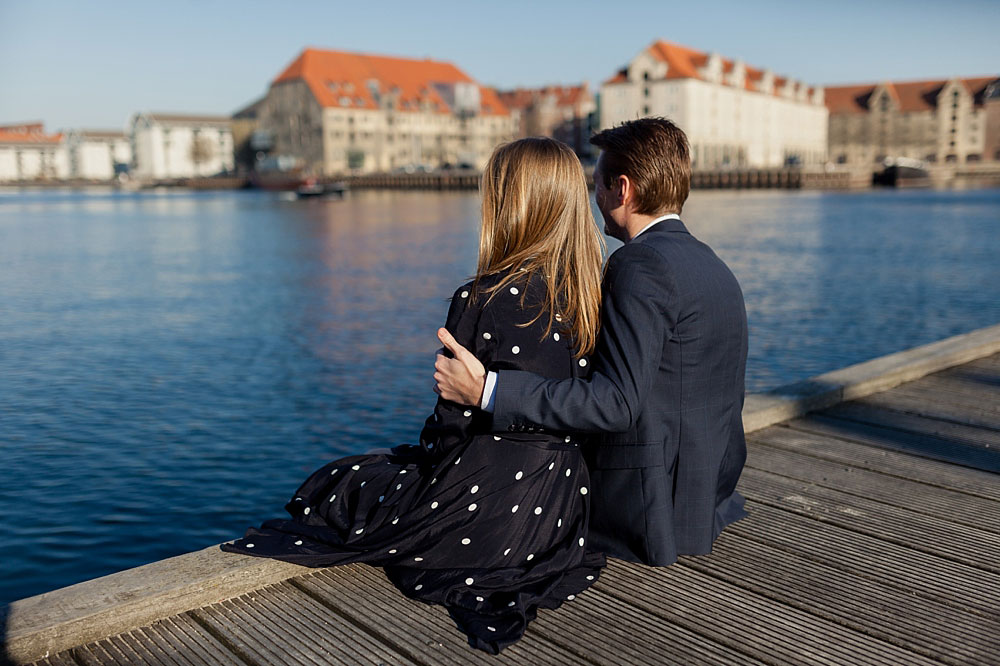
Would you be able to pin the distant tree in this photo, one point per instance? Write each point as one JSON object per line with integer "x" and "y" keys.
{"x": 355, "y": 159}
{"x": 202, "y": 150}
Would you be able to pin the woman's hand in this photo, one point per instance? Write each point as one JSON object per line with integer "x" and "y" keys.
{"x": 460, "y": 379}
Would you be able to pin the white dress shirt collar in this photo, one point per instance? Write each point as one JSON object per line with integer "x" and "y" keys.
{"x": 671, "y": 216}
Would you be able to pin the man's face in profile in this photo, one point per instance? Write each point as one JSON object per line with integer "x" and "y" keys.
{"x": 607, "y": 201}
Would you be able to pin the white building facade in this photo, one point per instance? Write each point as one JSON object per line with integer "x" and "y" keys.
{"x": 97, "y": 154}
{"x": 166, "y": 146}
{"x": 339, "y": 112}
{"x": 28, "y": 154}
{"x": 734, "y": 115}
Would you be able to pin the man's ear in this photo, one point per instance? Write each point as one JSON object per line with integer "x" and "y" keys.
{"x": 624, "y": 190}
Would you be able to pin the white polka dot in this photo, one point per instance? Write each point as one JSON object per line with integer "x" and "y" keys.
{"x": 333, "y": 472}
{"x": 249, "y": 545}
{"x": 398, "y": 486}
{"x": 465, "y": 294}
{"x": 474, "y": 489}
{"x": 306, "y": 511}
{"x": 506, "y": 552}
{"x": 433, "y": 481}
{"x": 333, "y": 497}
{"x": 571, "y": 597}
{"x": 472, "y": 507}
{"x": 418, "y": 559}
{"x": 395, "y": 520}
{"x": 568, "y": 438}
{"x": 434, "y": 505}
{"x": 458, "y": 460}
{"x": 469, "y": 581}
{"x": 519, "y": 476}
{"x": 583, "y": 491}
{"x": 486, "y": 336}
{"x": 514, "y": 291}
{"x": 419, "y": 587}
{"x": 590, "y": 578}
{"x": 492, "y": 628}
{"x": 511, "y": 605}
{"x": 402, "y": 471}
{"x": 431, "y": 445}
{"x": 466, "y": 541}
{"x": 513, "y": 509}
{"x": 299, "y": 542}
{"x": 538, "y": 510}
{"x": 392, "y": 552}
{"x": 555, "y": 336}
{"x": 496, "y": 437}
{"x": 558, "y": 317}
{"x": 363, "y": 483}
{"x": 559, "y": 524}
{"x": 551, "y": 465}
{"x": 568, "y": 471}
{"x": 381, "y": 497}
{"x": 480, "y": 599}
{"x": 298, "y": 499}
{"x": 467, "y": 413}
{"x": 581, "y": 541}
{"x": 530, "y": 557}
{"x": 359, "y": 531}
{"x": 515, "y": 349}
{"x": 356, "y": 468}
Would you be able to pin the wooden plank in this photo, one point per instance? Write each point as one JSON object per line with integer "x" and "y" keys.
{"x": 61, "y": 659}
{"x": 928, "y": 446}
{"x": 913, "y": 572}
{"x": 929, "y": 500}
{"x": 936, "y": 387}
{"x": 433, "y": 635}
{"x": 280, "y": 625}
{"x": 863, "y": 413}
{"x": 187, "y": 642}
{"x": 976, "y": 548}
{"x": 934, "y": 408}
{"x": 869, "y": 607}
{"x": 750, "y": 623}
{"x": 854, "y": 454}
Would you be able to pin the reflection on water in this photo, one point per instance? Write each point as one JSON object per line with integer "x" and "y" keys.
{"x": 173, "y": 364}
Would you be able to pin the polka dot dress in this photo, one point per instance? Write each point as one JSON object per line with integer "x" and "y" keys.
{"x": 491, "y": 526}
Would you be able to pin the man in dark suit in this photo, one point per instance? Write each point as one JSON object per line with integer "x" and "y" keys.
{"x": 666, "y": 392}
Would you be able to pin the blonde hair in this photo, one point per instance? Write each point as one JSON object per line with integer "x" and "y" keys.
{"x": 536, "y": 217}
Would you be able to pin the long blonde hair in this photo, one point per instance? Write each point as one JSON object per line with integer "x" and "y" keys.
{"x": 536, "y": 217}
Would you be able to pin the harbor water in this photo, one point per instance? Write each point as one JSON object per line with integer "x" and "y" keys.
{"x": 173, "y": 364}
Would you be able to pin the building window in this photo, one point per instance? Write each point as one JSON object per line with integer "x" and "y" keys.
{"x": 974, "y": 157}
{"x": 645, "y": 110}
{"x": 951, "y": 157}
{"x": 841, "y": 159}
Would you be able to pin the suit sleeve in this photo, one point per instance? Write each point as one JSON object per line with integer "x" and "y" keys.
{"x": 636, "y": 323}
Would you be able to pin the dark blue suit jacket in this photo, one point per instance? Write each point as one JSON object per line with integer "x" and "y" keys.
{"x": 666, "y": 397}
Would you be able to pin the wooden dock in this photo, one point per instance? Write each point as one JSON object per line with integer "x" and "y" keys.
{"x": 873, "y": 538}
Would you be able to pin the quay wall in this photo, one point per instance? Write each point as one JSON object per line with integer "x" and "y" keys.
{"x": 49, "y": 623}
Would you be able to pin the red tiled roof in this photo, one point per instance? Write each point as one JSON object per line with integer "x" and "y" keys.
{"x": 909, "y": 95}
{"x": 342, "y": 79}
{"x": 27, "y": 133}
{"x": 522, "y": 98}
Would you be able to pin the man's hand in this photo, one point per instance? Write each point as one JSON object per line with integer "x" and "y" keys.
{"x": 460, "y": 379}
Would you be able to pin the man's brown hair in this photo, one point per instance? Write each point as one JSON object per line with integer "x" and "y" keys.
{"x": 654, "y": 154}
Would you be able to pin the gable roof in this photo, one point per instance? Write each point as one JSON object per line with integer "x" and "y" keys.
{"x": 909, "y": 95}
{"x": 523, "y": 98}
{"x": 340, "y": 78}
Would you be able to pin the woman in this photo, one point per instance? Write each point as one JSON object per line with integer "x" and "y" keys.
{"x": 492, "y": 527}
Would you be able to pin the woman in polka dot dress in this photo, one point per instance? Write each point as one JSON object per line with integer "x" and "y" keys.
{"x": 491, "y": 526}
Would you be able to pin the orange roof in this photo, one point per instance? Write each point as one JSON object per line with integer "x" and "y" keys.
{"x": 27, "y": 133}
{"x": 683, "y": 63}
{"x": 523, "y": 98}
{"x": 910, "y": 95}
{"x": 352, "y": 80}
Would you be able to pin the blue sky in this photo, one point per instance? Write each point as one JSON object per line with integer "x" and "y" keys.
{"x": 91, "y": 64}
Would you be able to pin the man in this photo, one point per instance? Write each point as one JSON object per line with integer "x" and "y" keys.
{"x": 666, "y": 392}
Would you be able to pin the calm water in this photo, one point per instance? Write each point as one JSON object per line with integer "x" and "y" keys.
{"x": 173, "y": 365}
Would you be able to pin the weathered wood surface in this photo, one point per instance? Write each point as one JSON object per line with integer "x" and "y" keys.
{"x": 873, "y": 538}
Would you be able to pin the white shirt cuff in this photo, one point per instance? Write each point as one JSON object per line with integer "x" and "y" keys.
{"x": 488, "y": 402}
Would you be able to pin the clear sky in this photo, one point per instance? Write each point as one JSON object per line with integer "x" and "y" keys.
{"x": 91, "y": 64}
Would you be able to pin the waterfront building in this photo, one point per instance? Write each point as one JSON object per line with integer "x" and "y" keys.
{"x": 166, "y": 145}
{"x": 942, "y": 121}
{"x": 97, "y": 154}
{"x": 27, "y": 153}
{"x": 566, "y": 113}
{"x": 338, "y": 112}
{"x": 734, "y": 115}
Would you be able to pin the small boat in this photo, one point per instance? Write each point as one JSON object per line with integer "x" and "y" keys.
{"x": 280, "y": 173}
{"x": 902, "y": 172}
